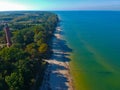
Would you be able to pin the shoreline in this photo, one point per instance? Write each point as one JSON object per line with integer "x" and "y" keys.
{"x": 58, "y": 74}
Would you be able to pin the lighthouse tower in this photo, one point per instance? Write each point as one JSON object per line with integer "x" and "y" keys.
{"x": 7, "y": 33}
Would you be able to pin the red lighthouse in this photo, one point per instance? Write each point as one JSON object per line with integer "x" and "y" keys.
{"x": 7, "y": 33}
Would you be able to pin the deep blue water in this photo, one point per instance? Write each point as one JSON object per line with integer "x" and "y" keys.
{"x": 94, "y": 37}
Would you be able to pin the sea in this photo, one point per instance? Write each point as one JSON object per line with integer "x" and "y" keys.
{"x": 94, "y": 38}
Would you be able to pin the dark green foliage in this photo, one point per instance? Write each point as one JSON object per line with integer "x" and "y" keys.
{"x": 15, "y": 81}
{"x": 11, "y": 54}
{"x": 18, "y": 38}
{"x": 2, "y": 83}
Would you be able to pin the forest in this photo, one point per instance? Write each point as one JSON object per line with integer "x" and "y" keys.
{"x": 22, "y": 65}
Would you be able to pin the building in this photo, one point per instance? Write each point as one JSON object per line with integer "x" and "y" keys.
{"x": 7, "y": 33}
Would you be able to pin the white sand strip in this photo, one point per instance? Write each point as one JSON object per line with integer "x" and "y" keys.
{"x": 57, "y": 76}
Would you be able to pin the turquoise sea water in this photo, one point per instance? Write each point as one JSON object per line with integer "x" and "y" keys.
{"x": 94, "y": 37}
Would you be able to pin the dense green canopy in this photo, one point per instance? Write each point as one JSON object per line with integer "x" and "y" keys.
{"x": 23, "y": 61}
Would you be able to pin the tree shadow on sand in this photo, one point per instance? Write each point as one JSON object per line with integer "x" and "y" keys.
{"x": 57, "y": 73}
{"x": 60, "y": 48}
{"x": 61, "y": 53}
{"x": 58, "y": 81}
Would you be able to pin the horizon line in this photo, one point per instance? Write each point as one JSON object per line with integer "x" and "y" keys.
{"x": 55, "y": 10}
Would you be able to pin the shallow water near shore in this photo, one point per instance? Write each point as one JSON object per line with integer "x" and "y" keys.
{"x": 94, "y": 37}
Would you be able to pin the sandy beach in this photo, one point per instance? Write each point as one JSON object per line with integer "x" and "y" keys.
{"x": 57, "y": 75}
